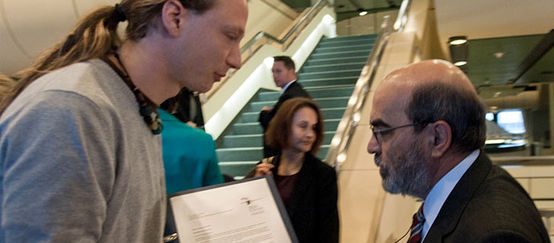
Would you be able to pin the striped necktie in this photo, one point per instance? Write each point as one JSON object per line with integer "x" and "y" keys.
{"x": 417, "y": 226}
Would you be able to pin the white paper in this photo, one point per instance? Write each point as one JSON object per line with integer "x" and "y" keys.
{"x": 242, "y": 212}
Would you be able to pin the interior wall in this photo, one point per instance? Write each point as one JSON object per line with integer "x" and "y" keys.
{"x": 270, "y": 16}
{"x": 423, "y": 22}
{"x": 27, "y": 28}
{"x": 363, "y": 25}
{"x": 480, "y": 19}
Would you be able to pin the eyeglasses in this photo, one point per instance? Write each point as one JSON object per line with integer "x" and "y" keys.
{"x": 378, "y": 133}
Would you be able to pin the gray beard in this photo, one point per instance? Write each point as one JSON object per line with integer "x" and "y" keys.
{"x": 407, "y": 173}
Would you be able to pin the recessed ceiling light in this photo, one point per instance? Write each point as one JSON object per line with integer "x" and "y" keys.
{"x": 499, "y": 54}
{"x": 460, "y": 63}
{"x": 458, "y": 42}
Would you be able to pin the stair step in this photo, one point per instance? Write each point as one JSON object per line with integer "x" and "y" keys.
{"x": 335, "y": 49}
{"x": 335, "y": 112}
{"x": 326, "y": 87}
{"x": 237, "y": 168}
{"x": 348, "y": 37}
{"x": 317, "y": 92}
{"x": 329, "y": 74}
{"x": 329, "y": 81}
{"x": 359, "y": 57}
{"x": 256, "y": 128}
{"x": 242, "y": 167}
{"x": 255, "y": 140}
{"x": 344, "y": 41}
{"x": 333, "y": 66}
{"x": 329, "y": 102}
{"x": 240, "y": 154}
{"x": 317, "y": 56}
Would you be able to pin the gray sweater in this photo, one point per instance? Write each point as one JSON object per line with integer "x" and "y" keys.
{"x": 78, "y": 163}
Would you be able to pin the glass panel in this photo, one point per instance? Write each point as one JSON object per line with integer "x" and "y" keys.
{"x": 511, "y": 121}
{"x": 518, "y": 119}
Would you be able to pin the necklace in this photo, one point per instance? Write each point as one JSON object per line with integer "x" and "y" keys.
{"x": 147, "y": 109}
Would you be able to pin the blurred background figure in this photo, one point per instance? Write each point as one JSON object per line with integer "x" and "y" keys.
{"x": 188, "y": 108}
{"x": 307, "y": 186}
{"x": 190, "y": 160}
{"x": 284, "y": 76}
{"x": 189, "y": 156}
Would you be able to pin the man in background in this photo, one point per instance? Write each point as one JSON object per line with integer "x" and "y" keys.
{"x": 187, "y": 107}
{"x": 284, "y": 76}
{"x": 429, "y": 130}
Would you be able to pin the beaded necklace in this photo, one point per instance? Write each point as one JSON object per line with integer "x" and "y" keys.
{"x": 147, "y": 108}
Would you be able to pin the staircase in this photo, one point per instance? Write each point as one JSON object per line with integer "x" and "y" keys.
{"x": 329, "y": 76}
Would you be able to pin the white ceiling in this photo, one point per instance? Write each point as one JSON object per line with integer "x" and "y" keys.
{"x": 479, "y": 19}
{"x": 28, "y": 27}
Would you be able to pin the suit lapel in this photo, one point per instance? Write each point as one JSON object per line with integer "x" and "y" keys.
{"x": 453, "y": 207}
{"x": 290, "y": 91}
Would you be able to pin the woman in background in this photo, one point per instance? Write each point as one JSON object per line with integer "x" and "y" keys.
{"x": 307, "y": 186}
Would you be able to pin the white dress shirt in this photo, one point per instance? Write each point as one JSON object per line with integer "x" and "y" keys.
{"x": 437, "y": 196}
{"x": 287, "y": 85}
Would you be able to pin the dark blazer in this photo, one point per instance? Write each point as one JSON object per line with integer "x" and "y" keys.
{"x": 313, "y": 206}
{"x": 294, "y": 90}
{"x": 487, "y": 205}
{"x": 189, "y": 108}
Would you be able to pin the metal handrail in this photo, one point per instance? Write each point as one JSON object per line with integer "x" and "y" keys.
{"x": 294, "y": 30}
{"x": 345, "y": 130}
{"x": 263, "y": 37}
{"x": 402, "y": 18}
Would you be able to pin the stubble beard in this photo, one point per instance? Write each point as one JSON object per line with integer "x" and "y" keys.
{"x": 406, "y": 173}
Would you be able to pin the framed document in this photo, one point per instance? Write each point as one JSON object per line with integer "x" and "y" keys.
{"x": 249, "y": 210}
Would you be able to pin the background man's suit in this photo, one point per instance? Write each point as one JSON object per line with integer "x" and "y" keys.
{"x": 294, "y": 90}
{"x": 487, "y": 205}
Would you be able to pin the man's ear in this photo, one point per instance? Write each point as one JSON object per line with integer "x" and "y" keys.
{"x": 442, "y": 135}
{"x": 173, "y": 15}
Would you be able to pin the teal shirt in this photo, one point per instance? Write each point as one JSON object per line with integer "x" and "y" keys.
{"x": 189, "y": 156}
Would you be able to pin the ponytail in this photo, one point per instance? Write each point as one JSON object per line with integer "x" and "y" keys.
{"x": 6, "y": 83}
{"x": 95, "y": 36}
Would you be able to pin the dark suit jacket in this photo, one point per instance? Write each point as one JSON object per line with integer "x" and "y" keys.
{"x": 487, "y": 205}
{"x": 313, "y": 206}
{"x": 189, "y": 108}
{"x": 294, "y": 90}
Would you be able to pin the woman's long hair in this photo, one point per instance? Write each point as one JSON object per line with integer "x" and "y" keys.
{"x": 280, "y": 127}
{"x": 95, "y": 36}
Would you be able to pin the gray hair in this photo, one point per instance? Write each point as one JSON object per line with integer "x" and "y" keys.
{"x": 460, "y": 108}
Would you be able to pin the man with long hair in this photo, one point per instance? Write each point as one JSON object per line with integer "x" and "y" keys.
{"x": 79, "y": 147}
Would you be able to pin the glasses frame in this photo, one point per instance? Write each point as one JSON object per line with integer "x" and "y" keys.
{"x": 380, "y": 132}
